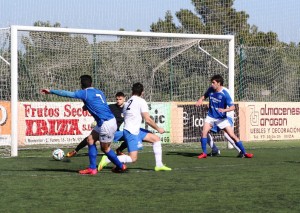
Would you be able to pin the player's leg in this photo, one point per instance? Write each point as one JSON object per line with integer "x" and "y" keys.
{"x": 105, "y": 160}
{"x": 149, "y": 137}
{"x": 210, "y": 141}
{"x": 119, "y": 137}
{"x": 81, "y": 145}
{"x": 231, "y": 142}
{"x": 106, "y": 133}
{"x": 121, "y": 148}
{"x": 214, "y": 149}
{"x": 92, "y": 152}
{"x": 206, "y": 128}
{"x": 238, "y": 143}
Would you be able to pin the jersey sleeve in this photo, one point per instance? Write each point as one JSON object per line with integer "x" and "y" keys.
{"x": 63, "y": 93}
{"x": 209, "y": 90}
{"x": 144, "y": 106}
{"x": 80, "y": 94}
{"x": 228, "y": 99}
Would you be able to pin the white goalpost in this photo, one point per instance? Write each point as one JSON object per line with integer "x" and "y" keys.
{"x": 55, "y": 57}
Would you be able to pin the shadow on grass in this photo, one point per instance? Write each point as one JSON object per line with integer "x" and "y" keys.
{"x": 54, "y": 170}
{"x": 185, "y": 154}
{"x": 292, "y": 161}
{"x": 192, "y": 154}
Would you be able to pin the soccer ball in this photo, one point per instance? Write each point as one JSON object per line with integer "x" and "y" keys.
{"x": 58, "y": 154}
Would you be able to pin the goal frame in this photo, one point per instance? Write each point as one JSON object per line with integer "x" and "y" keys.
{"x": 14, "y": 60}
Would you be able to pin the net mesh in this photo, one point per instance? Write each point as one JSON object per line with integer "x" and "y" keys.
{"x": 171, "y": 69}
{"x": 5, "y": 64}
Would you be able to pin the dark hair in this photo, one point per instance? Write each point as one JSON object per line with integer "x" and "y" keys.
{"x": 218, "y": 78}
{"x": 86, "y": 81}
{"x": 119, "y": 94}
{"x": 137, "y": 89}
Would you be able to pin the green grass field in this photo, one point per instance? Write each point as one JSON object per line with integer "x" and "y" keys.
{"x": 270, "y": 182}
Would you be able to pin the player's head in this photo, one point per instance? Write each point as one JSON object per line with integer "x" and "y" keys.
{"x": 120, "y": 98}
{"x": 86, "y": 81}
{"x": 218, "y": 79}
{"x": 137, "y": 89}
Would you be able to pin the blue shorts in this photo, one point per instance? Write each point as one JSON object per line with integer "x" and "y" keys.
{"x": 134, "y": 142}
{"x": 118, "y": 136}
{"x": 216, "y": 129}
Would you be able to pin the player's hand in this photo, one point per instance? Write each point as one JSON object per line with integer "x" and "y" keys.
{"x": 199, "y": 102}
{"x": 161, "y": 130}
{"x": 221, "y": 110}
{"x": 45, "y": 91}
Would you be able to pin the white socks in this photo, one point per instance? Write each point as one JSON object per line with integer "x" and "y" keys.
{"x": 231, "y": 141}
{"x": 122, "y": 158}
{"x": 125, "y": 158}
{"x": 157, "y": 153}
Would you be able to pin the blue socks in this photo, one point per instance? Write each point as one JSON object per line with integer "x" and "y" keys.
{"x": 241, "y": 147}
{"x": 203, "y": 145}
{"x": 111, "y": 155}
{"x": 93, "y": 156}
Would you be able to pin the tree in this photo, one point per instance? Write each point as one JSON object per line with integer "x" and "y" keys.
{"x": 260, "y": 58}
{"x": 47, "y": 60}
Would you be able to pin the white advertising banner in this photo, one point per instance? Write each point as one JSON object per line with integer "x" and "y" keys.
{"x": 66, "y": 122}
{"x": 270, "y": 121}
{"x": 54, "y": 122}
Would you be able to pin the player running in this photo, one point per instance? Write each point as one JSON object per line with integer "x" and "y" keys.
{"x": 220, "y": 103}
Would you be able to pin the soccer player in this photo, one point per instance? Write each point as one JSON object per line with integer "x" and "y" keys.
{"x": 215, "y": 150}
{"x": 134, "y": 111}
{"x": 215, "y": 129}
{"x": 220, "y": 103}
{"x": 95, "y": 102}
{"x": 117, "y": 110}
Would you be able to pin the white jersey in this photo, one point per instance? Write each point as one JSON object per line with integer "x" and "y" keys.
{"x": 132, "y": 112}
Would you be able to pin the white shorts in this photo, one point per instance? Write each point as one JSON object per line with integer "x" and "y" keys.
{"x": 107, "y": 130}
{"x": 221, "y": 123}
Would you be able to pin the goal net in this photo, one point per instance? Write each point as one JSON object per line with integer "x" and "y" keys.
{"x": 174, "y": 68}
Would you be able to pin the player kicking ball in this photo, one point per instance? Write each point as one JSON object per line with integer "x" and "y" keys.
{"x": 95, "y": 102}
{"x": 134, "y": 111}
{"x": 220, "y": 103}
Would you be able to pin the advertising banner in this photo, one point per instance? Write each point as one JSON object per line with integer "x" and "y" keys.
{"x": 160, "y": 113}
{"x": 5, "y": 123}
{"x": 53, "y": 122}
{"x": 270, "y": 121}
{"x": 193, "y": 121}
{"x": 66, "y": 122}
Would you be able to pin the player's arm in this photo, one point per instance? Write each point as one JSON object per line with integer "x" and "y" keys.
{"x": 200, "y": 101}
{"x": 151, "y": 123}
{"x": 62, "y": 93}
{"x": 203, "y": 97}
{"x": 228, "y": 109}
{"x": 229, "y": 102}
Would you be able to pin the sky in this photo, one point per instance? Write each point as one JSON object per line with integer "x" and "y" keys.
{"x": 280, "y": 16}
